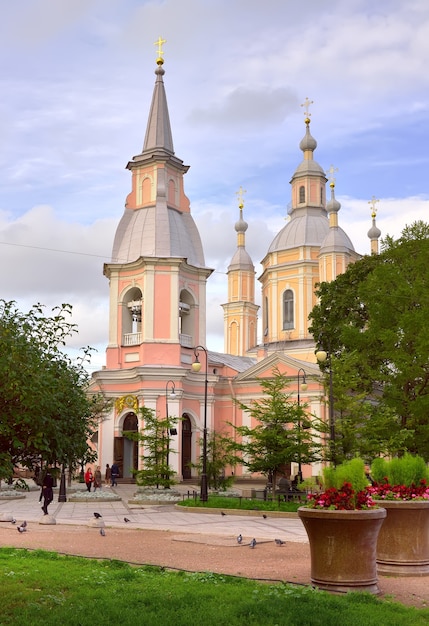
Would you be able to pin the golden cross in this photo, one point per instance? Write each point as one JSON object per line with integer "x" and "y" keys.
{"x": 239, "y": 193}
{"x": 331, "y": 173}
{"x": 307, "y": 103}
{"x": 372, "y": 202}
{"x": 160, "y": 50}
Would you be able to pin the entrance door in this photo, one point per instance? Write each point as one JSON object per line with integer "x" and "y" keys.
{"x": 186, "y": 447}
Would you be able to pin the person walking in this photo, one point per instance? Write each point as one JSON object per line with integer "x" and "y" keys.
{"x": 107, "y": 475}
{"x": 114, "y": 474}
{"x": 97, "y": 478}
{"x": 47, "y": 491}
{"x": 88, "y": 478}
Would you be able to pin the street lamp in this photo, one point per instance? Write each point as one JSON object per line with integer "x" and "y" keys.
{"x": 170, "y": 431}
{"x": 322, "y": 356}
{"x": 196, "y": 366}
{"x": 302, "y": 386}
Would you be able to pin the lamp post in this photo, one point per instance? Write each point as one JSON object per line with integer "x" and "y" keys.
{"x": 196, "y": 366}
{"x": 169, "y": 430}
{"x": 322, "y": 356}
{"x": 302, "y": 386}
{"x": 62, "y": 496}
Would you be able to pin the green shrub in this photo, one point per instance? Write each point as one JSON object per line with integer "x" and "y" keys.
{"x": 407, "y": 470}
{"x": 352, "y": 471}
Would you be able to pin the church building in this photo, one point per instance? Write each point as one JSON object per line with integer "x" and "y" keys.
{"x": 157, "y": 319}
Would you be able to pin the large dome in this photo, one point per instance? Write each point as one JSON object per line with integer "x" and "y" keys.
{"x": 142, "y": 233}
{"x": 309, "y": 229}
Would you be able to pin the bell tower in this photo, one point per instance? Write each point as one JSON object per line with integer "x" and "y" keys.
{"x": 157, "y": 274}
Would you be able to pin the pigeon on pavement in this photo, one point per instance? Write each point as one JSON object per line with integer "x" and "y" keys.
{"x": 252, "y": 544}
{"x": 102, "y": 532}
{"x": 24, "y": 524}
{"x": 279, "y": 542}
{"x": 264, "y": 516}
{"x": 97, "y": 515}
{"x": 20, "y": 529}
{"x": 222, "y": 513}
{"x": 239, "y": 538}
{"x": 13, "y": 520}
{"x": 126, "y": 519}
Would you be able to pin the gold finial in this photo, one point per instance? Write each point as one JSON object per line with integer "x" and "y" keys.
{"x": 240, "y": 193}
{"x": 373, "y": 202}
{"x": 331, "y": 175}
{"x": 306, "y": 104}
{"x": 159, "y": 43}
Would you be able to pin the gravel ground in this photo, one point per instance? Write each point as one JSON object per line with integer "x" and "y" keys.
{"x": 267, "y": 561}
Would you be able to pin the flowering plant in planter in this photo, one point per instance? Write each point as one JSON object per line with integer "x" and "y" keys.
{"x": 345, "y": 488}
{"x": 404, "y": 478}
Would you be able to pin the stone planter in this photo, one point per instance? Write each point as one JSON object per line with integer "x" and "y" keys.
{"x": 403, "y": 541}
{"x": 343, "y": 548}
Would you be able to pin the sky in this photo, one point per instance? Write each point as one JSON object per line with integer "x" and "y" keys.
{"x": 77, "y": 77}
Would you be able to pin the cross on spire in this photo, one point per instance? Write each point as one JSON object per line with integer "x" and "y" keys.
{"x": 331, "y": 174}
{"x": 306, "y": 104}
{"x": 159, "y": 43}
{"x": 240, "y": 193}
{"x": 373, "y": 202}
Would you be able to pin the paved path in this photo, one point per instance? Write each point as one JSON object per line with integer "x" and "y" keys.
{"x": 154, "y": 517}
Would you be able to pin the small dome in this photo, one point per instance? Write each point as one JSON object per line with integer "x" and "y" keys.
{"x": 241, "y": 226}
{"x": 333, "y": 205}
{"x": 241, "y": 260}
{"x": 336, "y": 241}
{"x": 374, "y": 232}
{"x": 308, "y": 142}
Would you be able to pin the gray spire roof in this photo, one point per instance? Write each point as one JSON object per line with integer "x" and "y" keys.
{"x": 157, "y": 229}
{"x": 158, "y": 131}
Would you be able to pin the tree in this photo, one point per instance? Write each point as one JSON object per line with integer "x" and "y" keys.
{"x": 220, "y": 455}
{"x": 284, "y": 431}
{"x": 156, "y": 442}
{"x": 45, "y": 412}
{"x": 375, "y": 314}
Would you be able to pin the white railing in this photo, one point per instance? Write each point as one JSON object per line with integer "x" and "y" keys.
{"x": 132, "y": 339}
{"x": 185, "y": 340}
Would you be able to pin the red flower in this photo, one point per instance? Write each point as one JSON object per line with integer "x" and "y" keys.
{"x": 343, "y": 499}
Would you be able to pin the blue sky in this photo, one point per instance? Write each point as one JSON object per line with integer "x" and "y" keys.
{"x": 76, "y": 82}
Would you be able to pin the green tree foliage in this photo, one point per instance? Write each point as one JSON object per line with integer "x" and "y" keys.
{"x": 45, "y": 413}
{"x": 220, "y": 455}
{"x": 284, "y": 432}
{"x": 373, "y": 320}
{"x": 156, "y": 443}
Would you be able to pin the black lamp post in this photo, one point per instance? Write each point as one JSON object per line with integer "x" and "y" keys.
{"x": 196, "y": 366}
{"x": 322, "y": 356}
{"x": 170, "y": 431}
{"x": 302, "y": 386}
{"x": 62, "y": 497}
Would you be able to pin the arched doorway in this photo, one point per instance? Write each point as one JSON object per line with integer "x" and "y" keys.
{"x": 126, "y": 450}
{"x": 186, "y": 446}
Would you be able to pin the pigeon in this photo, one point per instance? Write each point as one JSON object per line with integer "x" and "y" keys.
{"x": 239, "y": 538}
{"x": 24, "y": 524}
{"x": 222, "y": 513}
{"x": 102, "y": 532}
{"x": 20, "y": 529}
{"x": 264, "y": 516}
{"x": 126, "y": 519}
{"x": 97, "y": 515}
{"x": 252, "y": 544}
{"x": 279, "y": 542}
{"x": 13, "y": 520}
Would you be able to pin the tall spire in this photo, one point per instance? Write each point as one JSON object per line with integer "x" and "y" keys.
{"x": 374, "y": 232}
{"x": 158, "y": 132}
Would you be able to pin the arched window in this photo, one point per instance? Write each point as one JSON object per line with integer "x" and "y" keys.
{"x": 301, "y": 194}
{"x": 288, "y": 312}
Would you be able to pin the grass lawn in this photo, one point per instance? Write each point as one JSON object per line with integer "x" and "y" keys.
{"x": 44, "y": 588}
{"x": 245, "y": 504}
